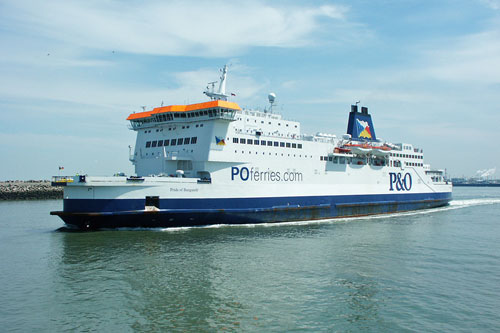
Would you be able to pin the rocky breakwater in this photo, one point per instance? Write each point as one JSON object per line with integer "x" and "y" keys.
{"x": 29, "y": 190}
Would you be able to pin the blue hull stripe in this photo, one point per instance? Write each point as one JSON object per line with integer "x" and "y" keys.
{"x": 98, "y": 213}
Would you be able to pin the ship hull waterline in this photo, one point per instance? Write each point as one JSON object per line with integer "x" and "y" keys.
{"x": 227, "y": 214}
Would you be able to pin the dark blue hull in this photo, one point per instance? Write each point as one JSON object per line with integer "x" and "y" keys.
{"x": 117, "y": 213}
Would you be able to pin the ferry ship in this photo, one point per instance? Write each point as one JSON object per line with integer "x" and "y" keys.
{"x": 216, "y": 163}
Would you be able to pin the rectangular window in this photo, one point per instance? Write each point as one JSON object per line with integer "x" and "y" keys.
{"x": 186, "y": 141}
{"x": 282, "y": 144}
{"x": 193, "y": 140}
{"x": 243, "y": 140}
{"x": 294, "y": 145}
{"x": 276, "y": 143}
{"x": 299, "y": 145}
{"x": 173, "y": 142}
{"x": 160, "y": 143}
{"x": 249, "y": 141}
{"x": 166, "y": 142}
{"x": 269, "y": 143}
{"x": 153, "y": 144}
{"x": 288, "y": 145}
{"x": 235, "y": 140}
{"x": 148, "y": 144}
{"x": 330, "y": 158}
{"x": 321, "y": 158}
{"x": 262, "y": 142}
{"x": 256, "y": 142}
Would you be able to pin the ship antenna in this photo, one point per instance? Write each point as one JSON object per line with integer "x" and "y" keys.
{"x": 221, "y": 93}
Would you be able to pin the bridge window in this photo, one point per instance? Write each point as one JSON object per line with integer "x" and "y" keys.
{"x": 235, "y": 140}
{"x": 288, "y": 145}
{"x": 263, "y": 143}
{"x": 276, "y": 143}
{"x": 294, "y": 145}
{"x": 299, "y": 146}
{"x": 242, "y": 140}
{"x": 249, "y": 141}
{"x": 186, "y": 141}
{"x": 173, "y": 142}
{"x": 166, "y": 142}
{"x": 148, "y": 144}
{"x": 160, "y": 143}
{"x": 193, "y": 140}
{"x": 153, "y": 144}
{"x": 282, "y": 144}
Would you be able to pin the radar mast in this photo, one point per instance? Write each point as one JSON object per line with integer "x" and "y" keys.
{"x": 221, "y": 93}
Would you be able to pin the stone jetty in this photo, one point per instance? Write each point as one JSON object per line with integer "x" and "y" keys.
{"x": 29, "y": 190}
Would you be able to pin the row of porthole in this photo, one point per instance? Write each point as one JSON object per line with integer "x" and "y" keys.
{"x": 267, "y": 143}
{"x": 172, "y": 142}
{"x": 420, "y": 157}
{"x": 270, "y": 154}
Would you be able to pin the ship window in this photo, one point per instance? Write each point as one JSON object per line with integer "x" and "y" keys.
{"x": 166, "y": 142}
{"x": 269, "y": 123}
{"x": 249, "y": 141}
{"x": 330, "y": 158}
{"x": 243, "y": 140}
{"x": 153, "y": 144}
{"x": 235, "y": 140}
{"x": 186, "y": 141}
{"x": 160, "y": 143}
{"x": 342, "y": 160}
{"x": 269, "y": 143}
{"x": 294, "y": 145}
{"x": 183, "y": 127}
{"x": 321, "y": 158}
{"x": 201, "y": 125}
{"x": 299, "y": 146}
{"x": 148, "y": 144}
{"x": 262, "y": 121}
{"x": 276, "y": 143}
{"x": 288, "y": 145}
{"x": 173, "y": 142}
{"x": 256, "y": 142}
{"x": 282, "y": 144}
{"x": 197, "y": 125}
{"x": 193, "y": 140}
{"x": 187, "y": 126}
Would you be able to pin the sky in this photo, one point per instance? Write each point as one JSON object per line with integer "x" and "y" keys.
{"x": 72, "y": 71}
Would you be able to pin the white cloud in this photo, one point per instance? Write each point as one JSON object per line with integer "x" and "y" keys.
{"x": 470, "y": 58}
{"x": 493, "y": 4}
{"x": 214, "y": 28}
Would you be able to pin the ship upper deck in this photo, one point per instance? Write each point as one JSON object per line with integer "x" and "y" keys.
{"x": 172, "y": 113}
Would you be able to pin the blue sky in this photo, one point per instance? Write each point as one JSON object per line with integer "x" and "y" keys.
{"x": 72, "y": 71}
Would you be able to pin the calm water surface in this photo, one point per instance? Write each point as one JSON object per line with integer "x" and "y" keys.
{"x": 430, "y": 271}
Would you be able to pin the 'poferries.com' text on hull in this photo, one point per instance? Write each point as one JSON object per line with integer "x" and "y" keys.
{"x": 215, "y": 163}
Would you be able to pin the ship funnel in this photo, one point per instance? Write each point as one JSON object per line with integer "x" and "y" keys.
{"x": 360, "y": 125}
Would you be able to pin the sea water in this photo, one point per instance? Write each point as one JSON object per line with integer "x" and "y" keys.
{"x": 428, "y": 271}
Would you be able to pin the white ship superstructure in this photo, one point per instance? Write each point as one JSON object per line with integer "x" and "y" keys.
{"x": 214, "y": 162}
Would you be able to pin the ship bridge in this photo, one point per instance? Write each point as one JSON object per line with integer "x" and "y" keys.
{"x": 217, "y": 109}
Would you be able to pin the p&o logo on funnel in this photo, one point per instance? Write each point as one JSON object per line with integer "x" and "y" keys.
{"x": 363, "y": 129}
